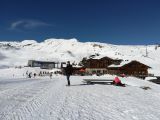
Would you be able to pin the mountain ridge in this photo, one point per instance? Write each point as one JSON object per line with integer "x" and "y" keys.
{"x": 60, "y": 50}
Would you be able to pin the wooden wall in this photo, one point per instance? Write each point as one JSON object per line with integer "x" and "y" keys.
{"x": 134, "y": 68}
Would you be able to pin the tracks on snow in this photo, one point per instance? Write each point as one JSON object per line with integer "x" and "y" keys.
{"x": 23, "y": 100}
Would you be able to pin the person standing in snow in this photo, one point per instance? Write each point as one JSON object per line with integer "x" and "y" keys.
{"x": 34, "y": 75}
{"x": 50, "y": 75}
{"x": 68, "y": 71}
{"x": 30, "y": 75}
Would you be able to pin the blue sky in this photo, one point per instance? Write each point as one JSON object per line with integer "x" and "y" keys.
{"x": 109, "y": 21}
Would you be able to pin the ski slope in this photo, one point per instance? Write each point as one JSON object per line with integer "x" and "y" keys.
{"x": 50, "y": 99}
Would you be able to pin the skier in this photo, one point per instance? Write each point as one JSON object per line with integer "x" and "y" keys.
{"x": 68, "y": 71}
{"x": 27, "y": 73}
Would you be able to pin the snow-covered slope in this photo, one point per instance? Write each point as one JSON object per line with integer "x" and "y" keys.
{"x": 18, "y": 53}
{"x": 51, "y": 99}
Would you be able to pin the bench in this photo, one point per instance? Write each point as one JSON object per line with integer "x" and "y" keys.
{"x": 98, "y": 81}
{"x": 158, "y": 77}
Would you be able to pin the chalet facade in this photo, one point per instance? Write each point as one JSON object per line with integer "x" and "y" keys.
{"x": 99, "y": 66}
{"x": 132, "y": 68}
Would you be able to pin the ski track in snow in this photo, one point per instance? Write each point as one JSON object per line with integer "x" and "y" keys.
{"x": 45, "y": 99}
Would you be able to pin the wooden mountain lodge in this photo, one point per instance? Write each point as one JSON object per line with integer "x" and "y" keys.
{"x": 108, "y": 65}
{"x": 131, "y": 68}
{"x": 99, "y": 66}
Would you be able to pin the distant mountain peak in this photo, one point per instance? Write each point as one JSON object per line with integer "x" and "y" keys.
{"x": 61, "y": 50}
{"x": 61, "y": 40}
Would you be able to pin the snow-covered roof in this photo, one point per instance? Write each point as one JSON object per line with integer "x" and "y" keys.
{"x": 100, "y": 57}
{"x": 124, "y": 63}
{"x": 46, "y": 61}
{"x": 121, "y": 64}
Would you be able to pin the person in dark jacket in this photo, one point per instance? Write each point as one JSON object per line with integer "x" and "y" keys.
{"x": 68, "y": 71}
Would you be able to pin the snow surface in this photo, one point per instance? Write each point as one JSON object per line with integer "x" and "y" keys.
{"x": 42, "y": 98}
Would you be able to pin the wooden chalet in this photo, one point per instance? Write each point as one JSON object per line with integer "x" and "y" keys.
{"x": 99, "y": 66}
{"x": 132, "y": 68}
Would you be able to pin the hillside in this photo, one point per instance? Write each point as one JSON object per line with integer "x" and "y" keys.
{"x": 18, "y": 53}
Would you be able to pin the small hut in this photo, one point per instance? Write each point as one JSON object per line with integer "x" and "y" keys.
{"x": 42, "y": 64}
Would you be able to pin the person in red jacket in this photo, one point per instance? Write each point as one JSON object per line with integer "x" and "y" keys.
{"x": 118, "y": 82}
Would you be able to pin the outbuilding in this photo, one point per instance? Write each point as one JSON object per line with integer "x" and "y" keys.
{"x": 132, "y": 68}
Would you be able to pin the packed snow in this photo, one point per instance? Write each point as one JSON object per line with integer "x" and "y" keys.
{"x": 42, "y": 98}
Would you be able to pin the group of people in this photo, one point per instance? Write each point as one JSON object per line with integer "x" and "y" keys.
{"x": 69, "y": 71}
{"x": 33, "y": 75}
{"x": 30, "y": 74}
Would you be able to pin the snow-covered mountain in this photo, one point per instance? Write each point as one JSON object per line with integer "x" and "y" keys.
{"x": 18, "y": 53}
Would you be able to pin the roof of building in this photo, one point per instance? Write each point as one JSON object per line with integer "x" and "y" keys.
{"x": 121, "y": 64}
{"x": 47, "y": 61}
{"x": 103, "y": 57}
{"x": 124, "y": 63}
